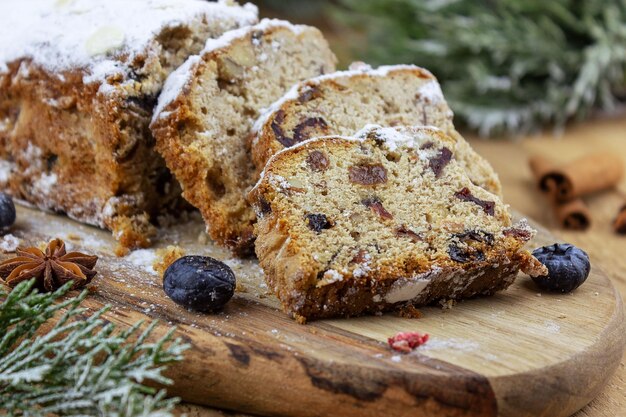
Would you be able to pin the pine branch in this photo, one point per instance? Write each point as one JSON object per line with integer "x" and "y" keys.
{"x": 506, "y": 66}
{"x": 82, "y": 366}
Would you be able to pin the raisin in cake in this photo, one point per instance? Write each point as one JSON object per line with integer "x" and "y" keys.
{"x": 208, "y": 108}
{"x": 348, "y": 226}
{"x": 344, "y": 102}
{"x": 79, "y": 80}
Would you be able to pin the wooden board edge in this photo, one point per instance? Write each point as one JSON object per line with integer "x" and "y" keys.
{"x": 564, "y": 388}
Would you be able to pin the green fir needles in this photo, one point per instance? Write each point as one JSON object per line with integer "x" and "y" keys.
{"x": 82, "y": 366}
{"x": 506, "y": 66}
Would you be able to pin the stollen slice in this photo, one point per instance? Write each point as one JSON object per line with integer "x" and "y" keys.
{"x": 348, "y": 226}
{"x": 209, "y": 105}
{"x": 343, "y": 102}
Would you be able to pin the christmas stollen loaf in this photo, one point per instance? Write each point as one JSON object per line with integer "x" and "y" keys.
{"x": 348, "y": 226}
{"x": 344, "y": 102}
{"x": 209, "y": 106}
{"x": 78, "y": 84}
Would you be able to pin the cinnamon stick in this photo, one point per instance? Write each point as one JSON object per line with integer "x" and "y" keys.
{"x": 619, "y": 225}
{"x": 586, "y": 175}
{"x": 573, "y": 214}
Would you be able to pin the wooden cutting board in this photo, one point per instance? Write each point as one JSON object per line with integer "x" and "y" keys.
{"x": 519, "y": 353}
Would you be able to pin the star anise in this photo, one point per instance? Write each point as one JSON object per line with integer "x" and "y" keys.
{"x": 52, "y": 268}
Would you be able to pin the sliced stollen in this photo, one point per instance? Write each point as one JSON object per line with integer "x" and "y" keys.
{"x": 207, "y": 110}
{"x": 79, "y": 80}
{"x": 354, "y": 225}
{"x": 344, "y": 102}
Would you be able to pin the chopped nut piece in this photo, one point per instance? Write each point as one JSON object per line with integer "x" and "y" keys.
{"x": 166, "y": 257}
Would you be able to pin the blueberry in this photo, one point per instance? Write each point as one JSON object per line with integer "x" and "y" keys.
{"x": 199, "y": 283}
{"x": 7, "y": 211}
{"x": 568, "y": 267}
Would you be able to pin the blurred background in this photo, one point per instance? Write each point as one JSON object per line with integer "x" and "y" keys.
{"x": 507, "y": 67}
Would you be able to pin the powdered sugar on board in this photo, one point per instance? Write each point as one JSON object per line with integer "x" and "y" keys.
{"x": 66, "y": 34}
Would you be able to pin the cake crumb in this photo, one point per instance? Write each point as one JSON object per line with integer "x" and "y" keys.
{"x": 447, "y": 304}
{"x": 239, "y": 287}
{"x": 166, "y": 256}
{"x": 409, "y": 312}
{"x": 203, "y": 238}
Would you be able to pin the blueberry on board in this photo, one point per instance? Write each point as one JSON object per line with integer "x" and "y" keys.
{"x": 199, "y": 283}
{"x": 7, "y": 211}
{"x": 568, "y": 267}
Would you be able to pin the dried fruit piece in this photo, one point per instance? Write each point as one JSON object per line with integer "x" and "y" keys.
{"x": 568, "y": 267}
{"x": 310, "y": 94}
{"x": 7, "y": 211}
{"x": 199, "y": 283}
{"x": 311, "y": 127}
{"x": 276, "y": 126}
{"x": 404, "y": 231}
{"x": 368, "y": 174}
{"x": 466, "y": 195}
{"x": 438, "y": 163}
{"x": 361, "y": 257}
{"x": 317, "y": 161}
{"x": 464, "y": 253}
{"x": 263, "y": 207}
{"x": 405, "y": 342}
{"x": 377, "y": 207}
{"x": 318, "y": 222}
{"x": 518, "y": 233}
{"x": 476, "y": 236}
{"x": 468, "y": 246}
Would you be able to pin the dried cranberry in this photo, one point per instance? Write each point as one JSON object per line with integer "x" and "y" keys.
{"x": 466, "y": 195}
{"x": 318, "y": 222}
{"x": 368, "y": 174}
{"x": 405, "y": 342}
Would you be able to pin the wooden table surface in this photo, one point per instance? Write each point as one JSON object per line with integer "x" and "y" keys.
{"x": 509, "y": 158}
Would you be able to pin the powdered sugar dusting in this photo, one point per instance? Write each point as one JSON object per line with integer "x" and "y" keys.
{"x": 9, "y": 243}
{"x": 143, "y": 258}
{"x": 395, "y": 137}
{"x": 265, "y": 24}
{"x": 66, "y": 34}
{"x": 174, "y": 84}
{"x": 428, "y": 90}
{"x": 179, "y": 79}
